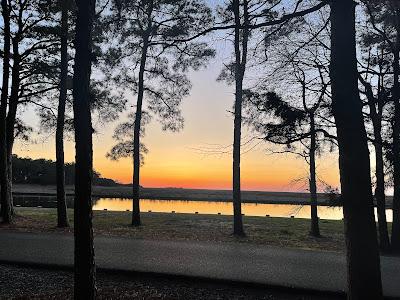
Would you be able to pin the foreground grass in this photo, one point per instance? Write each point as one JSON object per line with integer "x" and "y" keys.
{"x": 282, "y": 232}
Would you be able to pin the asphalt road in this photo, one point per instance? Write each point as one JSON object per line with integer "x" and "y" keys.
{"x": 314, "y": 270}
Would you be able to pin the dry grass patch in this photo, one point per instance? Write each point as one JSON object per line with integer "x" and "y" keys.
{"x": 282, "y": 232}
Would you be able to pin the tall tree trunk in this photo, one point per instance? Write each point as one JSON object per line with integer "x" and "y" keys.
{"x": 85, "y": 269}
{"x": 313, "y": 181}
{"x": 396, "y": 141}
{"x": 363, "y": 261}
{"x": 12, "y": 113}
{"x": 136, "y": 138}
{"x": 138, "y": 120}
{"x": 376, "y": 118}
{"x": 6, "y": 207}
{"x": 62, "y": 218}
{"x": 240, "y": 66}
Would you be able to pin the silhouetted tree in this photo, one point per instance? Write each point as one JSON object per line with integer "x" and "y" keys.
{"x": 62, "y": 218}
{"x": 85, "y": 269}
{"x": 363, "y": 262}
{"x": 244, "y": 17}
{"x": 152, "y": 59}
{"x": 376, "y": 103}
{"x": 299, "y": 126}
{"x": 302, "y": 121}
{"x": 240, "y": 44}
{"x": 381, "y": 42}
{"x": 26, "y": 20}
{"x": 236, "y": 15}
{"x": 6, "y": 204}
{"x": 396, "y": 128}
{"x": 378, "y": 43}
{"x": 53, "y": 72}
{"x": 384, "y": 20}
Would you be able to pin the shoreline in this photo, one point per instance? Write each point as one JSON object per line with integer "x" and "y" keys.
{"x": 180, "y": 194}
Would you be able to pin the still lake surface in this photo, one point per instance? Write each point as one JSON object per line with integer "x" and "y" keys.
{"x": 191, "y": 207}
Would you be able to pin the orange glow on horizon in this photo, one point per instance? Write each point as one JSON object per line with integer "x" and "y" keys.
{"x": 187, "y": 169}
{"x": 173, "y": 161}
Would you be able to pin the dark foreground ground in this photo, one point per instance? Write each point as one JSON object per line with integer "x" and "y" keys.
{"x": 28, "y": 283}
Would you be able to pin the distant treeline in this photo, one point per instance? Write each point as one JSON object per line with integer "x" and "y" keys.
{"x": 43, "y": 172}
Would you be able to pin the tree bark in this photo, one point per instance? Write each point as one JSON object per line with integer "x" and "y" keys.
{"x": 314, "y": 231}
{"x": 240, "y": 66}
{"x": 363, "y": 261}
{"x": 138, "y": 120}
{"x": 12, "y": 111}
{"x": 136, "y": 140}
{"x": 85, "y": 269}
{"x": 6, "y": 204}
{"x": 380, "y": 197}
{"x": 376, "y": 118}
{"x": 62, "y": 218}
{"x": 396, "y": 141}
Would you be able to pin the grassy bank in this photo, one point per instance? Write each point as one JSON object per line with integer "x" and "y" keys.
{"x": 178, "y": 194}
{"x": 282, "y": 232}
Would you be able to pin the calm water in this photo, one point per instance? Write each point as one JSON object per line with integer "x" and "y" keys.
{"x": 201, "y": 207}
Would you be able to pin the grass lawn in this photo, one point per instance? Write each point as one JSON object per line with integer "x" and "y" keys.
{"x": 282, "y": 232}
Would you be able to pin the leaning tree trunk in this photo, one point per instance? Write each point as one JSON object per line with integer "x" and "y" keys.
{"x": 396, "y": 144}
{"x": 62, "y": 218}
{"x": 85, "y": 269}
{"x": 314, "y": 231}
{"x": 363, "y": 262}
{"x": 6, "y": 207}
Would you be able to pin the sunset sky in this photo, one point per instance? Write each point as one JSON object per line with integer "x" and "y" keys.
{"x": 174, "y": 159}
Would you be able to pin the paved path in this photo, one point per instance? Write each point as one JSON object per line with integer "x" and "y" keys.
{"x": 237, "y": 262}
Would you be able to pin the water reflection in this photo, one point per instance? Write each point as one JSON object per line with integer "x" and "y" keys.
{"x": 224, "y": 208}
{"x": 201, "y": 207}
